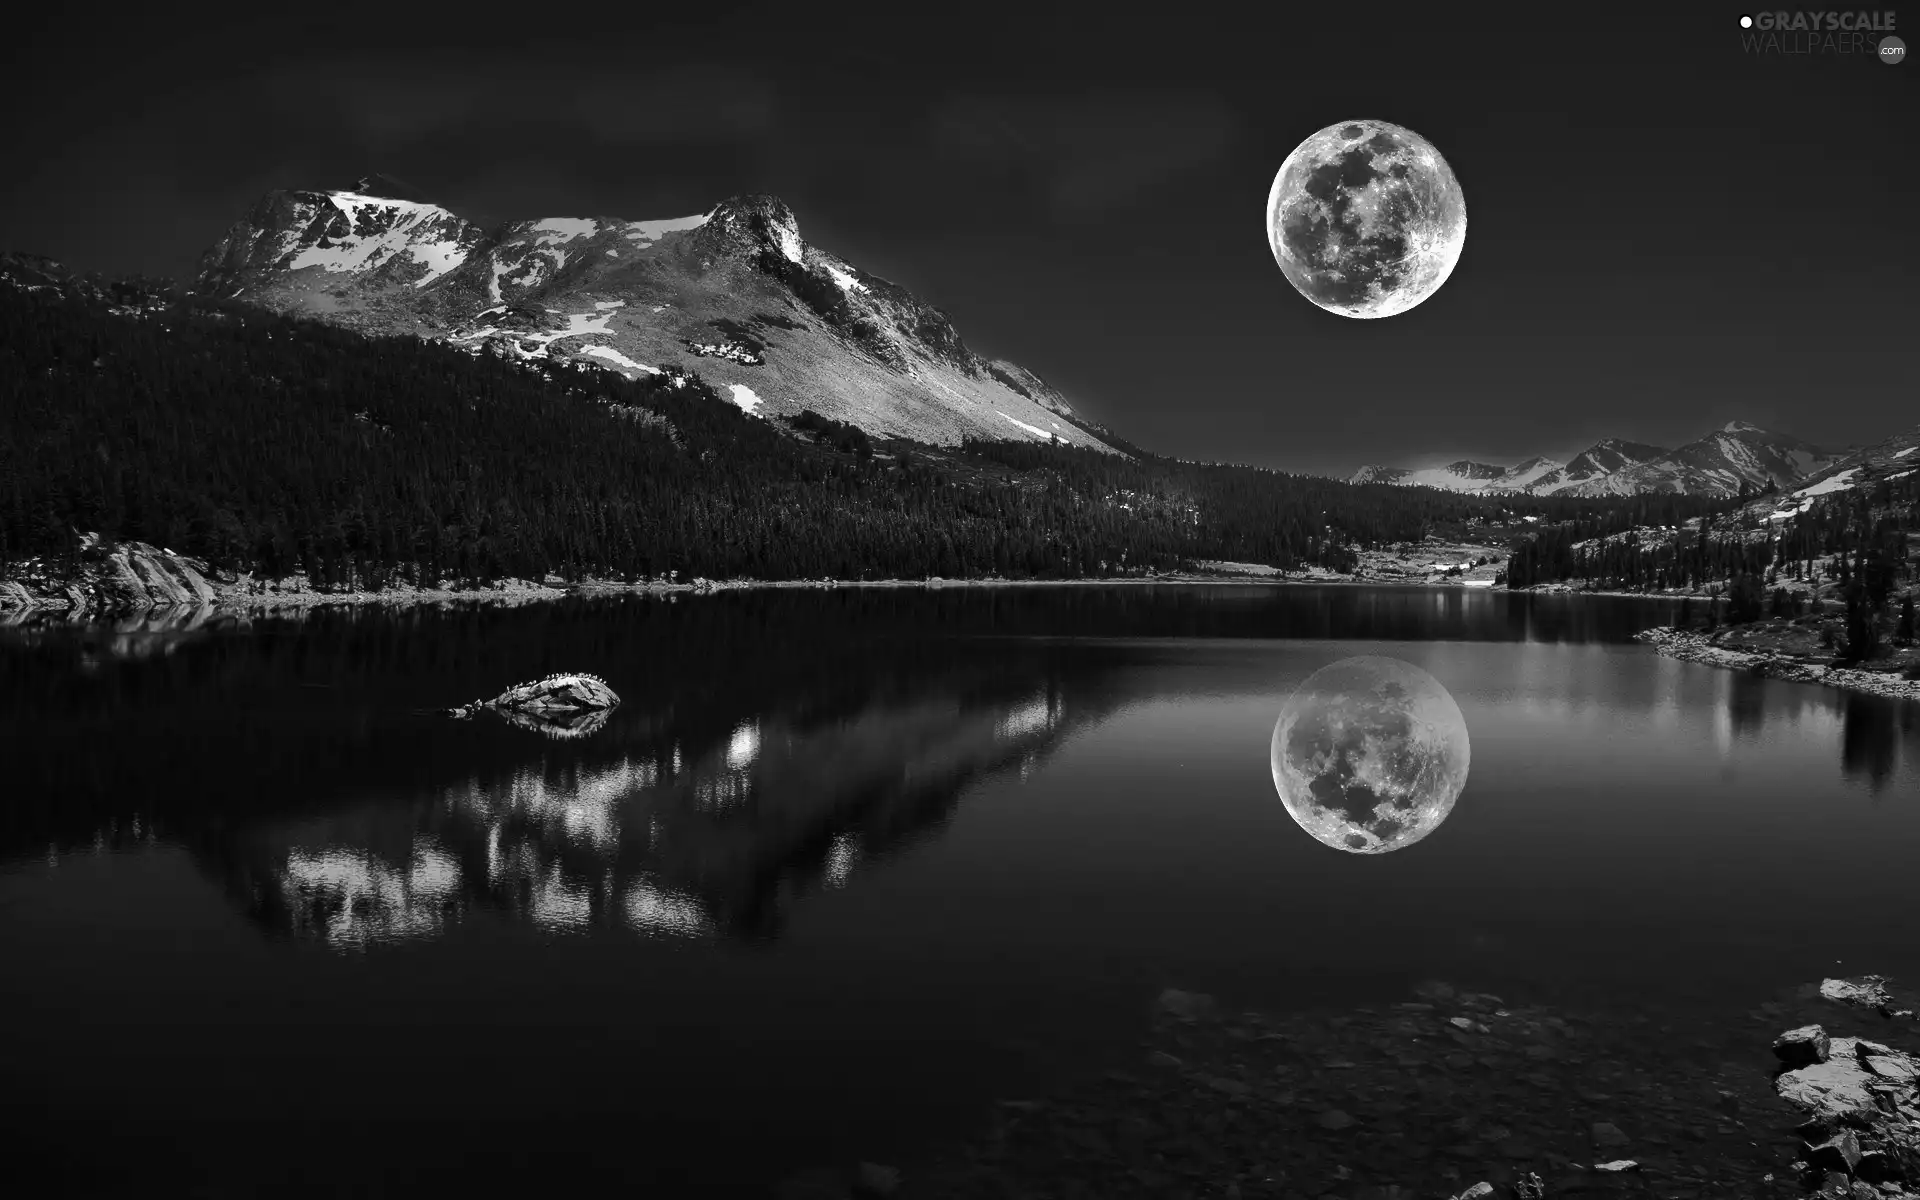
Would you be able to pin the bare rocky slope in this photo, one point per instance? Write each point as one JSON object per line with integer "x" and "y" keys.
{"x": 775, "y": 324}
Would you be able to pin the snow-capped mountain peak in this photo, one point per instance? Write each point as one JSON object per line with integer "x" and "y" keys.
{"x": 362, "y": 235}
{"x": 734, "y": 293}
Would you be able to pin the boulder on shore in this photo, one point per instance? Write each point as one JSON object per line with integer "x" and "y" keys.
{"x": 1863, "y": 1104}
{"x": 1803, "y": 1047}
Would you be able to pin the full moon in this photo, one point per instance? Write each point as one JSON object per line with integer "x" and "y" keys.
{"x": 1370, "y": 754}
{"x": 1366, "y": 219}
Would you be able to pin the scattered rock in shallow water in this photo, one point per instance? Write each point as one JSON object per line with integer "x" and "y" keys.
{"x": 1478, "y": 1191}
{"x": 1833, "y": 1091}
{"x": 1618, "y": 1166}
{"x": 1803, "y": 1046}
{"x": 1865, "y": 1105}
{"x": 1866, "y": 991}
{"x": 1416, "y": 1126}
{"x": 1607, "y": 1136}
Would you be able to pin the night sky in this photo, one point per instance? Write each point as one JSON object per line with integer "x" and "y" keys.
{"x": 1665, "y": 233}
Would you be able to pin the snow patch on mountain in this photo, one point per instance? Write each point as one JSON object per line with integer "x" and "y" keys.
{"x": 1035, "y": 430}
{"x": 646, "y": 233}
{"x": 614, "y": 356}
{"x": 743, "y": 397}
{"x": 391, "y": 227}
{"x": 555, "y": 230}
{"x": 1528, "y": 473}
{"x": 1832, "y": 483}
{"x": 439, "y": 257}
{"x": 847, "y": 282}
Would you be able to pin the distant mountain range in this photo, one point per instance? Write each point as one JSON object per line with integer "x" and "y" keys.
{"x": 776, "y": 325}
{"x": 1722, "y": 463}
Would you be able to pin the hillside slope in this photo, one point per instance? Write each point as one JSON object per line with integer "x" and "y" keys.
{"x": 776, "y": 325}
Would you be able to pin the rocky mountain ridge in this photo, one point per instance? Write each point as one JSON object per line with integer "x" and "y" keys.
{"x": 1892, "y": 458}
{"x": 1735, "y": 457}
{"x": 775, "y": 324}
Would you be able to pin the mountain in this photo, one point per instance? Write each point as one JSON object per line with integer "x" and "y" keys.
{"x": 1722, "y": 463}
{"x": 1894, "y": 458}
{"x": 1462, "y": 476}
{"x": 260, "y": 448}
{"x": 1597, "y": 462}
{"x": 775, "y": 324}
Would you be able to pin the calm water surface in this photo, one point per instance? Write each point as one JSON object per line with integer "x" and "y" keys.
{"x": 843, "y": 867}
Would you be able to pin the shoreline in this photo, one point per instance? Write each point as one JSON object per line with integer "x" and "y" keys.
{"x": 143, "y": 581}
{"x": 230, "y": 600}
{"x": 1688, "y": 646}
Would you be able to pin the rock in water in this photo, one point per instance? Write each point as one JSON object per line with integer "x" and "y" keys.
{"x": 1841, "y": 1152}
{"x": 1867, "y": 991}
{"x": 561, "y": 693}
{"x": 564, "y": 705}
{"x": 1834, "y": 1090}
{"x": 1864, "y": 1101}
{"x": 1803, "y": 1046}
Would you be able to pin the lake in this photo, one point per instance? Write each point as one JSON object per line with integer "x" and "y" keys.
{"x": 843, "y": 868}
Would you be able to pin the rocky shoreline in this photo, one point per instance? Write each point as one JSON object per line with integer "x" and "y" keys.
{"x": 1454, "y": 1094}
{"x": 135, "y": 577}
{"x": 1692, "y": 646}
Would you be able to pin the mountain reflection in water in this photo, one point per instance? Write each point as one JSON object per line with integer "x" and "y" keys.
{"x": 687, "y": 841}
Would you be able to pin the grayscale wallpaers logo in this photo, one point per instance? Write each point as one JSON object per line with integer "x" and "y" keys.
{"x": 1823, "y": 32}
